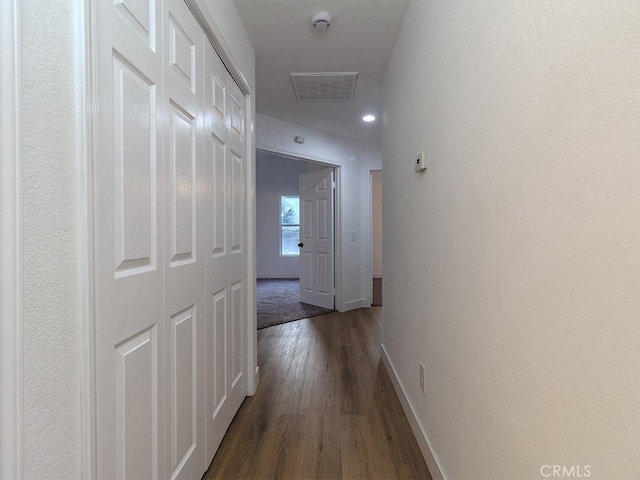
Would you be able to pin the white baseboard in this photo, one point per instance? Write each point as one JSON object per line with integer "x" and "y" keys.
{"x": 354, "y": 304}
{"x": 421, "y": 436}
{"x": 278, "y": 275}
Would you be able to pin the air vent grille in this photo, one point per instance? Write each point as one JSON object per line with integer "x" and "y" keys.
{"x": 324, "y": 87}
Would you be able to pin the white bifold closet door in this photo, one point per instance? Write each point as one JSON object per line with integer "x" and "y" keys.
{"x": 170, "y": 180}
{"x": 131, "y": 331}
{"x": 226, "y": 286}
{"x": 184, "y": 241}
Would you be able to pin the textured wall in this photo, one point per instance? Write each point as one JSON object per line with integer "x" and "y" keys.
{"x": 52, "y": 422}
{"x": 512, "y": 266}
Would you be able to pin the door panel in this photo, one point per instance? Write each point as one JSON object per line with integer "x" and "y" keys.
{"x": 236, "y": 241}
{"x": 134, "y": 170}
{"x": 140, "y": 16}
{"x": 182, "y": 161}
{"x": 217, "y": 329}
{"x": 130, "y": 331}
{"x": 322, "y": 269}
{"x": 217, "y": 282}
{"x": 216, "y": 166}
{"x": 237, "y": 358}
{"x": 136, "y": 367}
{"x": 182, "y": 359}
{"x": 182, "y": 52}
{"x": 237, "y": 204}
{"x": 185, "y": 259}
{"x": 316, "y": 236}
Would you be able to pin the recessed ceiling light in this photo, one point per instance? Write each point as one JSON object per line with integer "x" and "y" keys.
{"x": 368, "y": 118}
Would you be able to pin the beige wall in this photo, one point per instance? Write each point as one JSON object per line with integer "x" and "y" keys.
{"x": 514, "y": 261}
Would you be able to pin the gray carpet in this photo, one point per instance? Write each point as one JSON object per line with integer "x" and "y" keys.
{"x": 278, "y": 302}
{"x": 377, "y": 292}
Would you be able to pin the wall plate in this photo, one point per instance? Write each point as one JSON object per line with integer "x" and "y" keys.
{"x": 420, "y": 162}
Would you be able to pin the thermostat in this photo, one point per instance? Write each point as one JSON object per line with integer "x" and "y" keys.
{"x": 420, "y": 162}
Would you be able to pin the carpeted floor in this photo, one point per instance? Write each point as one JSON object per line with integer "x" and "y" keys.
{"x": 377, "y": 292}
{"x": 278, "y": 302}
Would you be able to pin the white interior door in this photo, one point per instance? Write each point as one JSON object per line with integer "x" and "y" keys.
{"x": 185, "y": 238}
{"x": 131, "y": 328}
{"x": 316, "y": 238}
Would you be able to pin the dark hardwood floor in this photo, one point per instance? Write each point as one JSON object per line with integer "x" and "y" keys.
{"x": 325, "y": 407}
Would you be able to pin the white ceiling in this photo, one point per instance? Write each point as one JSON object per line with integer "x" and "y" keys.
{"x": 361, "y": 39}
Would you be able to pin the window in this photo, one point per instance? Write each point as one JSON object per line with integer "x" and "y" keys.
{"x": 289, "y": 225}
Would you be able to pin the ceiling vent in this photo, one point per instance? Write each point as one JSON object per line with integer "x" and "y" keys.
{"x": 324, "y": 87}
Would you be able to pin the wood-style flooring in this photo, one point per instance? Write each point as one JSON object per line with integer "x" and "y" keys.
{"x": 325, "y": 407}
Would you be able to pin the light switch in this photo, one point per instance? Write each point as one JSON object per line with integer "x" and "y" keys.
{"x": 420, "y": 162}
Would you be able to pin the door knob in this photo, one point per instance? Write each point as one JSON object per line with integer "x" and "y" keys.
{"x": 301, "y": 245}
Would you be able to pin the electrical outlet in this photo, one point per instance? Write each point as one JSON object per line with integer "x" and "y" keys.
{"x": 422, "y": 377}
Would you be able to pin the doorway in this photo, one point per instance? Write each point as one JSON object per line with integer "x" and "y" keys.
{"x": 376, "y": 237}
{"x": 278, "y": 234}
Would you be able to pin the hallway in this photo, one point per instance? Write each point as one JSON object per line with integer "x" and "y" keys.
{"x": 325, "y": 407}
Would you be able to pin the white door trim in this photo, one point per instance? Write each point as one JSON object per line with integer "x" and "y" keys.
{"x": 11, "y": 343}
{"x": 87, "y": 136}
{"x": 370, "y": 272}
{"x": 336, "y": 220}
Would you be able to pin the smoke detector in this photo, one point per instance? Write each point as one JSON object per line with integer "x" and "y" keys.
{"x": 321, "y": 21}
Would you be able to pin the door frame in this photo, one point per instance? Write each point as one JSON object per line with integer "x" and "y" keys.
{"x": 370, "y": 209}
{"x": 89, "y": 243}
{"x": 11, "y": 343}
{"x": 337, "y": 253}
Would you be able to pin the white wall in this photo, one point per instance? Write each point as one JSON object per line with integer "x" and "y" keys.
{"x": 376, "y": 222}
{"x": 355, "y": 161}
{"x": 51, "y": 302}
{"x": 275, "y": 176}
{"x": 522, "y": 299}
